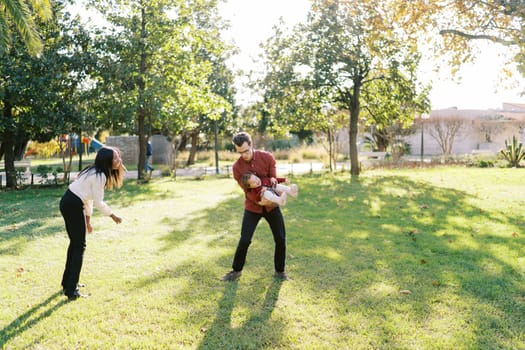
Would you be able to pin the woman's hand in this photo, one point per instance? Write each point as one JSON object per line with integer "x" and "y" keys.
{"x": 89, "y": 228}
{"x": 116, "y": 218}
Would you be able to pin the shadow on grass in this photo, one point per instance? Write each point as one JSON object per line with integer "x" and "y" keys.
{"x": 393, "y": 231}
{"x": 23, "y": 215}
{"x": 133, "y": 191}
{"x": 32, "y": 213}
{"x": 256, "y": 332}
{"x": 30, "y": 318}
{"x": 364, "y": 240}
{"x": 354, "y": 244}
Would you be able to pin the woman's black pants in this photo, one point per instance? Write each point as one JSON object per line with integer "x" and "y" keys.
{"x": 72, "y": 210}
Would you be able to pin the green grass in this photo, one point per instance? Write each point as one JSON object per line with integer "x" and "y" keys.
{"x": 453, "y": 237}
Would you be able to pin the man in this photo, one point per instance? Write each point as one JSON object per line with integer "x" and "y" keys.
{"x": 149, "y": 153}
{"x": 262, "y": 164}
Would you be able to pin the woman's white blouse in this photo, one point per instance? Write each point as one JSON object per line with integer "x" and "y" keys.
{"x": 89, "y": 187}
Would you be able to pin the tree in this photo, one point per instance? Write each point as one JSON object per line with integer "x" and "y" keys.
{"x": 451, "y": 27}
{"x": 444, "y": 130}
{"x": 389, "y": 107}
{"x": 155, "y": 68}
{"x": 18, "y": 14}
{"x": 491, "y": 126}
{"x": 37, "y": 94}
{"x": 343, "y": 50}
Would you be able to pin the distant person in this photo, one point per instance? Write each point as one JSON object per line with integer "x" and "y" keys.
{"x": 76, "y": 207}
{"x": 149, "y": 153}
{"x": 263, "y": 188}
{"x": 262, "y": 164}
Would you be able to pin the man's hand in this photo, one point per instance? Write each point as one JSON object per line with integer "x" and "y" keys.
{"x": 273, "y": 181}
{"x": 265, "y": 202}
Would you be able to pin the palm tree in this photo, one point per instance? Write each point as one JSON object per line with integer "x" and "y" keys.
{"x": 19, "y": 13}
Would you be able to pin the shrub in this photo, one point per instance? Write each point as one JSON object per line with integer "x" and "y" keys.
{"x": 513, "y": 152}
{"x": 44, "y": 170}
{"x": 43, "y": 149}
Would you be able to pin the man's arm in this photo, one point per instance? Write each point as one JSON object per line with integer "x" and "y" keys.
{"x": 272, "y": 170}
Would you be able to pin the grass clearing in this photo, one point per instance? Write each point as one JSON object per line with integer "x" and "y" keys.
{"x": 452, "y": 237}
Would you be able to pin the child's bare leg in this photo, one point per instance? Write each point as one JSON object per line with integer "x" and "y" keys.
{"x": 292, "y": 190}
{"x": 281, "y": 200}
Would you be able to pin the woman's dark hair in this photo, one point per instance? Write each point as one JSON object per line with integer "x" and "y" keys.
{"x": 241, "y": 138}
{"x": 104, "y": 164}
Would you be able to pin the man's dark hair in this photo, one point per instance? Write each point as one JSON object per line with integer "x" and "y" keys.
{"x": 241, "y": 138}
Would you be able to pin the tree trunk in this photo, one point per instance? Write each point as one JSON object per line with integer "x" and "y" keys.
{"x": 9, "y": 160}
{"x": 141, "y": 167}
{"x": 216, "y": 146}
{"x": 381, "y": 140}
{"x": 193, "y": 149}
{"x": 354, "y": 107}
{"x": 141, "y": 113}
{"x": 20, "y": 145}
{"x": 8, "y": 144}
{"x": 330, "y": 149}
{"x": 181, "y": 147}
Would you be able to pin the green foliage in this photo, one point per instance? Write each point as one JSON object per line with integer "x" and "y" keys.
{"x": 513, "y": 152}
{"x": 48, "y": 174}
{"x": 39, "y": 95}
{"x": 350, "y": 56}
{"x": 163, "y": 68}
{"x": 20, "y": 15}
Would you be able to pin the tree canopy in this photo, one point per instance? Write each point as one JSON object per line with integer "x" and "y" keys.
{"x": 345, "y": 53}
{"x": 18, "y": 15}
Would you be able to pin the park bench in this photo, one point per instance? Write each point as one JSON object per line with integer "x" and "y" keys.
{"x": 23, "y": 164}
{"x": 483, "y": 152}
{"x": 19, "y": 164}
{"x": 372, "y": 155}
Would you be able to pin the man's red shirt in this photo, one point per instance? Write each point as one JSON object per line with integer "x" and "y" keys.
{"x": 262, "y": 164}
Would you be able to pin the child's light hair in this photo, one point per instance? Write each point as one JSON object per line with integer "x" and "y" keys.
{"x": 245, "y": 180}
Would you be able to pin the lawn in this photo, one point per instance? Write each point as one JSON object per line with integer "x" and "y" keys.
{"x": 396, "y": 259}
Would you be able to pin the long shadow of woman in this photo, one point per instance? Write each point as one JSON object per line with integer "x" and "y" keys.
{"x": 29, "y": 318}
{"x": 221, "y": 334}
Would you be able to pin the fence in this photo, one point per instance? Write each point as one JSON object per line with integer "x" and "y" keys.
{"x": 289, "y": 169}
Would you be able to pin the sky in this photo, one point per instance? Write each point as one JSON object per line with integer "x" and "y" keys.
{"x": 478, "y": 87}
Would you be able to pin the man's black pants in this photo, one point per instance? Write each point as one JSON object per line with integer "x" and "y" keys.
{"x": 249, "y": 224}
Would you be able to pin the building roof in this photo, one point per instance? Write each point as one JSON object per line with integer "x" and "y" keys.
{"x": 508, "y": 112}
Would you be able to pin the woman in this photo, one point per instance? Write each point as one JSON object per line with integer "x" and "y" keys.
{"x": 76, "y": 207}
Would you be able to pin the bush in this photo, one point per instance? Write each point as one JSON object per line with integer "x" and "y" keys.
{"x": 43, "y": 171}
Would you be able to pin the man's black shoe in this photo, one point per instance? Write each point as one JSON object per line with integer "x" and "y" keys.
{"x": 75, "y": 295}
{"x": 231, "y": 276}
{"x": 282, "y": 276}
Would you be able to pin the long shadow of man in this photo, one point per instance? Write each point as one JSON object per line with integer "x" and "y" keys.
{"x": 221, "y": 334}
{"x": 29, "y": 318}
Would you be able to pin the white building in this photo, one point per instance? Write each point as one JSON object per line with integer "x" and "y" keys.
{"x": 478, "y": 130}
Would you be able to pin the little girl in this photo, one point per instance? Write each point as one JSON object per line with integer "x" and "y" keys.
{"x": 76, "y": 207}
{"x": 264, "y": 188}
